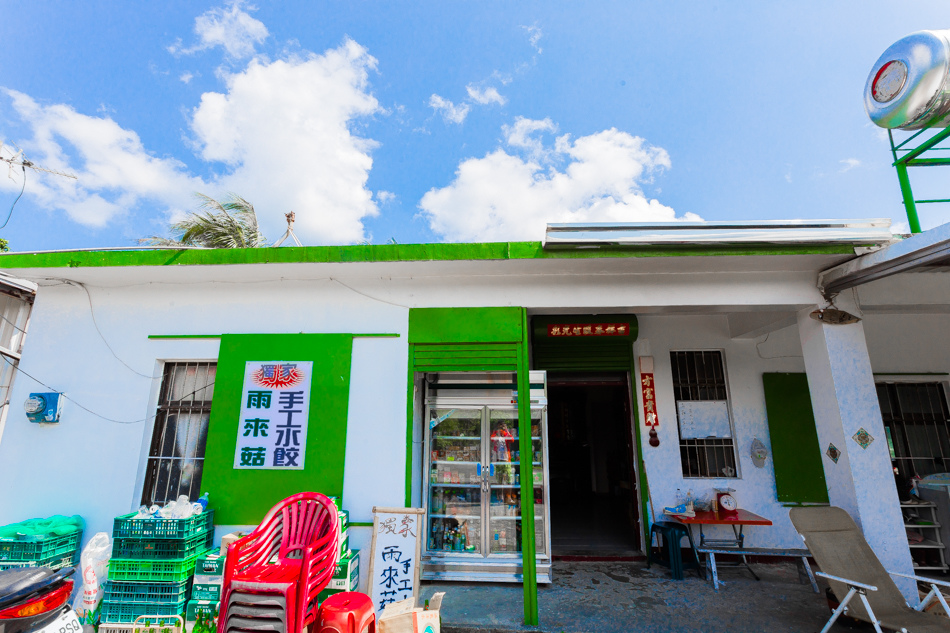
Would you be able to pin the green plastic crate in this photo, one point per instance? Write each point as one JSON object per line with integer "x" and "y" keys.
{"x": 55, "y": 562}
{"x": 128, "y": 611}
{"x": 127, "y": 527}
{"x": 128, "y": 570}
{"x": 162, "y": 549}
{"x": 150, "y": 592}
{"x": 37, "y": 548}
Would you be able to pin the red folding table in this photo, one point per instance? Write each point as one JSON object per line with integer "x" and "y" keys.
{"x": 738, "y": 520}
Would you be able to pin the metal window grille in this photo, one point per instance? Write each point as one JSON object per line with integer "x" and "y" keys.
{"x": 14, "y": 317}
{"x": 176, "y": 456}
{"x": 700, "y": 376}
{"x": 917, "y": 423}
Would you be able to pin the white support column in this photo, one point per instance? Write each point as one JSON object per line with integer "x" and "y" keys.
{"x": 844, "y": 400}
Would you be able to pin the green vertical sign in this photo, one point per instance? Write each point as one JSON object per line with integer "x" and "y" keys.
{"x": 243, "y": 497}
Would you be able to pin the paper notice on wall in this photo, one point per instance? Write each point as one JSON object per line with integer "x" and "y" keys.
{"x": 275, "y": 408}
{"x": 703, "y": 418}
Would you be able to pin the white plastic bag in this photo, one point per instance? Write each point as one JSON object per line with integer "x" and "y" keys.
{"x": 94, "y": 566}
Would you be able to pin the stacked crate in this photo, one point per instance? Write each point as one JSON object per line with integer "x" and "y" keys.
{"x": 206, "y": 590}
{"x": 40, "y": 550}
{"x": 153, "y": 561}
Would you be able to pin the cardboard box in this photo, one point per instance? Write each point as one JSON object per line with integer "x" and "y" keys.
{"x": 344, "y": 520}
{"x": 210, "y": 564}
{"x": 402, "y": 617}
{"x": 344, "y": 546}
{"x": 202, "y": 579}
{"x": 203, "y": 591}
{"x": 227, "y": 539}
{"x": 346, "y": 577}
{"x": 204, "y": 607}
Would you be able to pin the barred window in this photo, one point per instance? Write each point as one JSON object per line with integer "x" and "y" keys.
{"x": 176, "y": 456}
{"x": 702, "y": 410}
{"x": 14, "y": 315}
{"x": 917, "y": 424}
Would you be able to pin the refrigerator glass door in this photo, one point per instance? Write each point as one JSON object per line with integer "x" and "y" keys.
{"x": 455, "y": 480}
{"x": 504, "y": 481}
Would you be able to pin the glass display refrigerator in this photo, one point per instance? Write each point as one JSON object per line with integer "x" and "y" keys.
{"x": 472, "y": 478}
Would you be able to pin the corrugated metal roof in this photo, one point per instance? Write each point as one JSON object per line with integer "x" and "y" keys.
{"x": 596, "y": 235}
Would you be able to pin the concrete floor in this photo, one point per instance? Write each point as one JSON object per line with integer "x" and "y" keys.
{"x": 616, "y": 597}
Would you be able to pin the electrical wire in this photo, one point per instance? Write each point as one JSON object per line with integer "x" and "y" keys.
{"x": 17, "y": 369}
{"x": 359, "y": 292}
{"x": 15, "y": 326}
{"x": 10, "y": 214}
{"x": 95, "y": 324}
{"x": 762, "y": 342}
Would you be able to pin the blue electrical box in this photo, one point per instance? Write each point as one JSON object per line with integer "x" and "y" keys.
{"x": 43, "y": 408}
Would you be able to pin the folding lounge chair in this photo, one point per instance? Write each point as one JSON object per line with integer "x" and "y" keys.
{"x": 852, "y": 569}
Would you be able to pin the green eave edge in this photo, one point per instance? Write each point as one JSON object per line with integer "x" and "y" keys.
{"x": 382, "y": 253}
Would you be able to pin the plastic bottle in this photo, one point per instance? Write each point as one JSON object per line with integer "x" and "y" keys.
{"x": 203, "y": 500}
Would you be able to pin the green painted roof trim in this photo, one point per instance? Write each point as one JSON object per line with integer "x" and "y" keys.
{"x": 379, "y": 253}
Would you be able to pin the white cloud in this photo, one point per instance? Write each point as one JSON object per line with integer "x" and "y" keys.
{"x": 450, "y": 112}
{"x": 284, "y": 128}
{"x": 281, "y": 129}
{"x": 506, "y": 196}
{"x": 521, "y": 135}
{"x": 534, "y": 36}
{"x": 115, "y": 172}
{"x": 485, "y": 96}
{"x": 385, "y": 197}
{"x": 186, "y": 77}
{"x": 848, "y": 164}
{"x": 229, "y": 27}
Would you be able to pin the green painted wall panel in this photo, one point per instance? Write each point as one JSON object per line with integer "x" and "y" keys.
{"x": 242, "y": 497}
{"x": 465, "y": 325}
{"x": 796, "y": 455}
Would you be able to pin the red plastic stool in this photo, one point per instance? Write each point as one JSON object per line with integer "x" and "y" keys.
{"x": 346, "y": 612}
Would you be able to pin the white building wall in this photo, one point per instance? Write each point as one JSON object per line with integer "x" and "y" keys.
{"x": 93, "y": 467}
{"x": 755, "y": 487}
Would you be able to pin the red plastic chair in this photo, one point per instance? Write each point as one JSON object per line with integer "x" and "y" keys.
{"x": 292, "y": 553}
{"x": 346, "y": 612}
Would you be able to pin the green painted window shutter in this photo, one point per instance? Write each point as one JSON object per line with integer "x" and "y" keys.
{"x": 466, "y": 357}
{"x": 796, "y": 455}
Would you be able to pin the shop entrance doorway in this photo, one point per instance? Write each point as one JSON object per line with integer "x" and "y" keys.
{"x": 594, "y": 508}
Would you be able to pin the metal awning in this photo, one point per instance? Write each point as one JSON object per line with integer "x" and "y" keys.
{"x": 872, "y": 232}
{"x": 928, "y": 249}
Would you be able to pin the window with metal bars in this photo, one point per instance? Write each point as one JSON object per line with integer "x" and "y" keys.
{"x": 917, "y": 424}
{"x": 176, "y": 456}
{"x": 699, "y": 376}
{"x": 14, "y": 315}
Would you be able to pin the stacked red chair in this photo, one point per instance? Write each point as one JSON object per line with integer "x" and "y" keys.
{"x": 273, "y": 575}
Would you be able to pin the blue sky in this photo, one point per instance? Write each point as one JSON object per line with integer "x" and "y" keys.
{"x": 444, "y": 121}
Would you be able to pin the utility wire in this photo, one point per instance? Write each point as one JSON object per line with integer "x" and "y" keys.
{"x": 10, "y": 214}
{"x": 95, "y": 324}
{"x": 17, "y": 369}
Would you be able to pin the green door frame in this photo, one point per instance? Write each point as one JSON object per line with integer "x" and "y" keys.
{"x": 494, "y": 329}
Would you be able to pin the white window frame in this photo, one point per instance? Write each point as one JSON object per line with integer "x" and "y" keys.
{"x": 732, "y": 427}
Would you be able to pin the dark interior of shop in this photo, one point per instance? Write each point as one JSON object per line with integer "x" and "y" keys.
{"x": 593, "y": 488}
